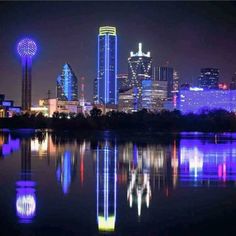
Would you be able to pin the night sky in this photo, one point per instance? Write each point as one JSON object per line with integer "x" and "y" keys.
{"x": 189, "y": 35}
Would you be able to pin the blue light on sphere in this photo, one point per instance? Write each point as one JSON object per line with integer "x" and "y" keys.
{"x": 27, "y": 47}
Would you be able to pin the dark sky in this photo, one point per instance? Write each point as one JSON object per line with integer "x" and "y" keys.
{"x": 189, "y": 35}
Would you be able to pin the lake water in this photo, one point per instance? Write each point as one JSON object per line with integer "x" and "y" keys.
{"x": 108, "y": 183}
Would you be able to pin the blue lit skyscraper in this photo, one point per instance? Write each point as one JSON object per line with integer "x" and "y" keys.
{"x": 107, "y": 66}
{"x": 26, "y": 48}
{"x": 67, "y": 85}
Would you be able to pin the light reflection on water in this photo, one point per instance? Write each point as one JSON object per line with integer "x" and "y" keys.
{"x": 141, "y": 169}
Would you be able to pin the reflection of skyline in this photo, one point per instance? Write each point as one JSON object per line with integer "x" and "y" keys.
{"x": 144, "y": 171}
{"x": 64, "y": 152}
{"x": 8, "y": 144}
{"x": 204, "y": 161}
{"x": 25, "y": 188}
{"x": 106, "y": 155}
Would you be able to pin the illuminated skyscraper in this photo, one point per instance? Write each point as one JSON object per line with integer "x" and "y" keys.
{"x": 139, "y": 69}
{"x": 209, "y": 78}
{"x": 26, "y": 49}
{"x": 67, "y": 85}
{"x": 107, "y": 66}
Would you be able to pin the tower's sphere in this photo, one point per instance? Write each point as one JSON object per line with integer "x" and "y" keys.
{"x": 27, "y": 47}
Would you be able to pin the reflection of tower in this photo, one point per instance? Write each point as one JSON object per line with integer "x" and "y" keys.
{"x": 27, "y": 49}
{"x": 66, "y": 169}
{"x": 8, "y": 145}
{"x": 106, "y": 155}
{"x": 174, "y": 163}
{"x": 82, "y": 153}
{"x": 139, "y": 188}
{"x": 25, "y": 188}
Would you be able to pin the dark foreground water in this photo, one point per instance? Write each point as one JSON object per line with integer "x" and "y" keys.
{"x": 117, "y": 184}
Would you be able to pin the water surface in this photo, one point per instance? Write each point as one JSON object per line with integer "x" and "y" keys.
{"x": 56, "y": 184}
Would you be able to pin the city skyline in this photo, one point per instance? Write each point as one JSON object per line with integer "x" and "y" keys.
{"x": 203, "y": 36}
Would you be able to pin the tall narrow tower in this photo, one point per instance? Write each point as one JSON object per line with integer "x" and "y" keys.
{"x": 26, "y": 48}
{"x": 107, "y": 66}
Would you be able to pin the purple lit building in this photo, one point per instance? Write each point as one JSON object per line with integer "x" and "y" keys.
{"x": 196, "y": 100}
{"x": 26, "y": 49}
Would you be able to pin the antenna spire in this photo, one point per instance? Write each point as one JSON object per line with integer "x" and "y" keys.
{"x": 140, "y": 49}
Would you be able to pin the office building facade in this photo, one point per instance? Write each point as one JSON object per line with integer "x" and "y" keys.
{"x": 106, "y": 82}
{"x": 167, "y": 74}
{"x": 209, "y": 78}
{"x": 233, "y": 82}
{"x": 126, "y": 100}
{"x": 123, "y": 82}
{"x": 153, "y": 95}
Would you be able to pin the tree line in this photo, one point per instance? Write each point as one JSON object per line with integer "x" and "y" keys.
{"x": 163, "y": 121}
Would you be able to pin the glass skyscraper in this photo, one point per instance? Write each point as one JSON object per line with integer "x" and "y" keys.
{"x": 139, "y": 69}
{"x": 107, "y": 66}
{"x": 67, "y": 85}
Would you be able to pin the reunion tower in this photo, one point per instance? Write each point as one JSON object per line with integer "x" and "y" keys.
{"x": 26, "y": 48}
